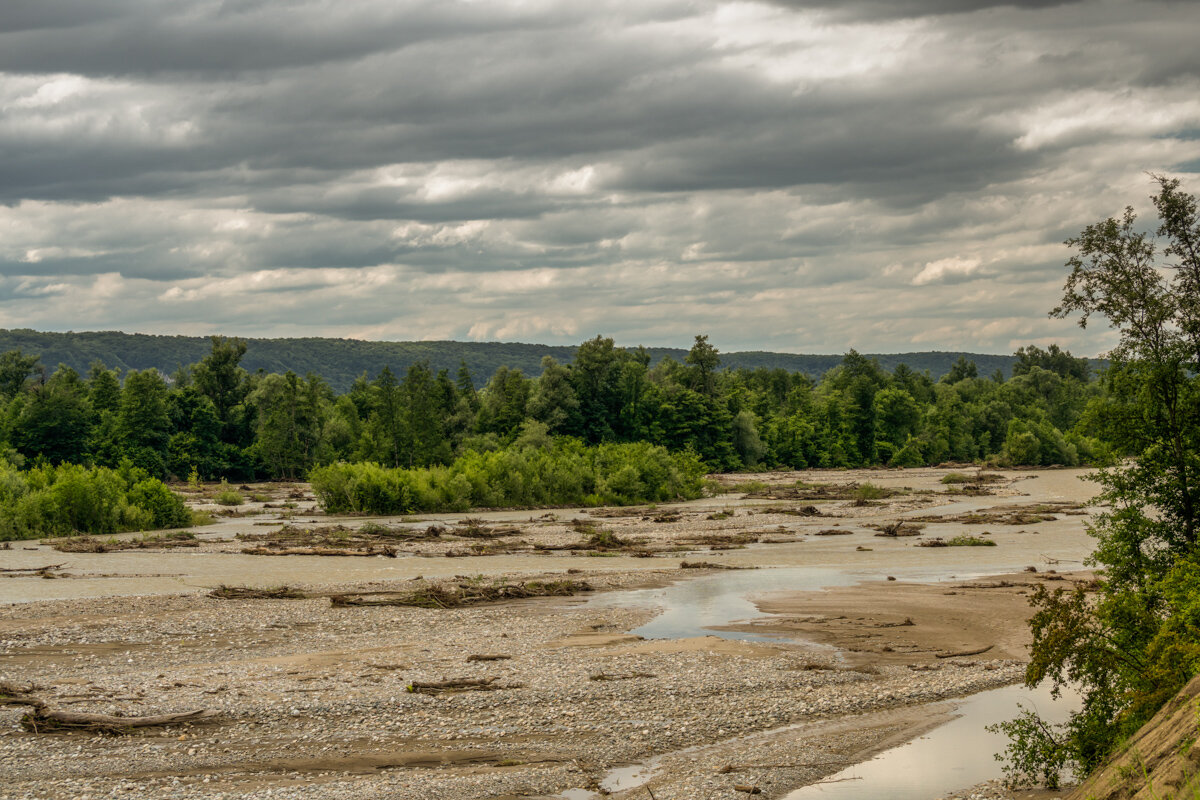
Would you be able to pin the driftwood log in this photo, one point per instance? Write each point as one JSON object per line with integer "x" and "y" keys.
{"x": 458, "y": 685}
{"x": 964, "y": 652}
{"x": 43, "y": 719}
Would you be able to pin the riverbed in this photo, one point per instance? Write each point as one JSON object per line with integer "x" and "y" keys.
{"x": 706, "y": 671}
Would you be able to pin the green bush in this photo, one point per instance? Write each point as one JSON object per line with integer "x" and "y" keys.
{"x": 68, "y": 498}
{"x": 869, "y": 491}
{"x": 227, "y": 496}
{"x": 563, "y": 472}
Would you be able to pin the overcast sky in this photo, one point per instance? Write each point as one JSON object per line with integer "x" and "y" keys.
{"x": 798, "y": 175}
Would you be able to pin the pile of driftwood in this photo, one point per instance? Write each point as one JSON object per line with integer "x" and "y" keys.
{"x": 473, "y": 528}
{"x": 224, "y": 592}
{"x": 899, "y": 528}
{"x": 725, "y": 540}
{"x": 818, "y": 491}
{"x": 463, "y": 594}
{"x": 93, "y": 544}
{"x": 596, "y": 540}
{"x": 330, "y": 540}
{"x": 799, "y": 511}
{"x": 1025, "y": 514}
{"x": 42, "y": 719}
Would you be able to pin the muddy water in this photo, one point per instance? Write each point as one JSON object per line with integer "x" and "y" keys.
{"x": 949, "y": 758}
{"x": 699, "y": 607}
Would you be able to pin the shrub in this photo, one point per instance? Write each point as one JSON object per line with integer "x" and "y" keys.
{"x": 869, "y": 491}
{"x": 563, "y": 473}
{"x": 969, "y": 541}
{"x": 166, "y": 508}
{"x": 68, "y": 498}
{"x": 228, "y": 496}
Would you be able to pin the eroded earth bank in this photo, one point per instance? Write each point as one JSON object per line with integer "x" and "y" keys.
{"x": 419, "y": 658}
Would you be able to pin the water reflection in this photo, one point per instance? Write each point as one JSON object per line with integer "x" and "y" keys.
{"x": 695, "y": 607}
{"x": 955, "y": 756}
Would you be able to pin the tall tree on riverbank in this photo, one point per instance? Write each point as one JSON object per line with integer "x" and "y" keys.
{"x": 1132, "y": 647}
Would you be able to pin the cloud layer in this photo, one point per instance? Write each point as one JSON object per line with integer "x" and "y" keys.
{"x": 794, "y": 175}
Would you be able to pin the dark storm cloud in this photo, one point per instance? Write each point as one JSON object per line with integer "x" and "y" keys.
{"x": 541, "y": 169}
{"x": 141, "y": 37}
{"x": 901, "y": 9}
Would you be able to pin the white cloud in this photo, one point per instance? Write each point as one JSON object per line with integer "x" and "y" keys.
{"x": 945, "y": 269}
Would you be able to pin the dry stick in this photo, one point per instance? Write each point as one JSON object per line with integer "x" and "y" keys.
{"x": 739, "y": 767}
{"x": 837, "y": 780}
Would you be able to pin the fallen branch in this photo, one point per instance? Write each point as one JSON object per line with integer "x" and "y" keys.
{"x": 43, "y": 719}
{"x": 458, "y": 685}
{"x": 964, "y": 652}
{"x": 620, "y": 676}
{"x": 488, "y": 657}
{"x": 900, "y": 528}
{"x": 224, "y": 592}
{"x": 728, "y": 768}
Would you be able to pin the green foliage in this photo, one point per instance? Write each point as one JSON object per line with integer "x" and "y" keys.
{"x": 67, "y": 499}
{"x": 969, "y": 541}
{"x": 15, "y": 369}
{"x": 564, "y": 473}
{"x": 1037, "y": 753}
{"x": 1131, "y": 646}
{"x": 341, "y": 361}
{"x": 225, "y": 422}
{"x": 227, "y": 496}
{"x": 869, "y": 491}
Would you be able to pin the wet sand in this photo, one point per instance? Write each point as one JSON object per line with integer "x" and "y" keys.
{"x": 898, "y": 622}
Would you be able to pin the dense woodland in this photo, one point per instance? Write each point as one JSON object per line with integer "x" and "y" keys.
{"x": 215, "y": 419}
{"x": 340, "y": 361}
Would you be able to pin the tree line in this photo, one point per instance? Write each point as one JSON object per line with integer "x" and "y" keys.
{"x": 214, "y": 419}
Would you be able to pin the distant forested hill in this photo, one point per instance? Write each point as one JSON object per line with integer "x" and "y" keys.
{"x": 340, "y": 361}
